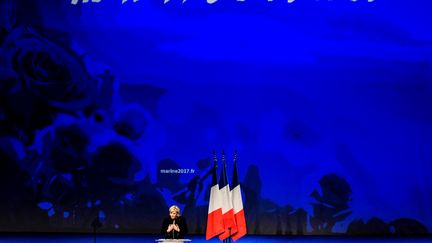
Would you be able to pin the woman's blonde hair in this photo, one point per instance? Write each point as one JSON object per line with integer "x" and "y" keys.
{"x": 175, "y": 208}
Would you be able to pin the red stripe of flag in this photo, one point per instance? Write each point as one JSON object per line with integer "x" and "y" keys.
{"x": 238, "y": 205}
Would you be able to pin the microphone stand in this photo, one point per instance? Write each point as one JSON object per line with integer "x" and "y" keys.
{"x": 173, "y": 229}
{"x": 96, "y": 224}
{"x": 228, "y": 240}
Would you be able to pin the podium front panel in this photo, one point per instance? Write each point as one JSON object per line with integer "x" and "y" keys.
{"x": 173, "y": 240}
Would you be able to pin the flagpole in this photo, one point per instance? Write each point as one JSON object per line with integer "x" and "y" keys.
{"x": 228, "y": 240}
{"x": 223, "y": 164}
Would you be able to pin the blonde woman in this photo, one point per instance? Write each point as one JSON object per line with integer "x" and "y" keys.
{"x": 174, "y": 226}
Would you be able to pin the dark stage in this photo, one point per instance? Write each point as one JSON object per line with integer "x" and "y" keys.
{"x": 120, "y": 238}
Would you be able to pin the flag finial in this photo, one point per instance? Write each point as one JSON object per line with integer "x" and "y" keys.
{"x": 214, "y": 156}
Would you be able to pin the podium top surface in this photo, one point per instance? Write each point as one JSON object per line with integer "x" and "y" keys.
{"x": 173, "y": 240}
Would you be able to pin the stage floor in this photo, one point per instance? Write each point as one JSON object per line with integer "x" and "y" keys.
{"x": 121, "y": 238}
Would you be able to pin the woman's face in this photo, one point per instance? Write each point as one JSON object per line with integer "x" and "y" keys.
{"x": 173, "y": 214}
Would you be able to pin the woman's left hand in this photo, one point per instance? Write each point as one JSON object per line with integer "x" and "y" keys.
{"x": 176, "y": 228}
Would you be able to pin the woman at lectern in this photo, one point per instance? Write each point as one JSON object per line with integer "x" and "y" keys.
{"x": 174, "y": 227}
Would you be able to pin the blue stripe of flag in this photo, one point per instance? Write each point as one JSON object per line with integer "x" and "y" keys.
{"x": 235, "y": 180}
{"x": 214, "y": 177}
{"x": 223, "y": 180}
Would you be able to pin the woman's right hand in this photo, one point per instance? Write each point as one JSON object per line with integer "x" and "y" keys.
{"x": 170, "y": 228}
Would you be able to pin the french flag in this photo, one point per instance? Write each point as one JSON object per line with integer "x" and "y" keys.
{"x": 230, "y": 226}
{"x": 238, "y": 205}
{"x": 214, "y": 219}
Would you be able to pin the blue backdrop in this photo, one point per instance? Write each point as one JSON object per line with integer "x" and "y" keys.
{"x": 112, "y": 110}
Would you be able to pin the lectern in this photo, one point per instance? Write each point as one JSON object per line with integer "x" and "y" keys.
{"x": 173, "y": 240}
